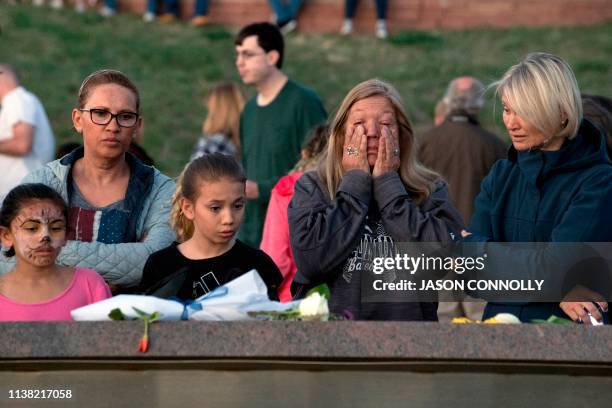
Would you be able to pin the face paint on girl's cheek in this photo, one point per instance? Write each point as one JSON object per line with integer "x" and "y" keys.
{"x": 39, "y": 232}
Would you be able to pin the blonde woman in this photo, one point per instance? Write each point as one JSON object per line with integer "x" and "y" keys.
{"x": 220, "y": 130}
{"x": 369, "y": 189}
{"x": 555, "y": 185}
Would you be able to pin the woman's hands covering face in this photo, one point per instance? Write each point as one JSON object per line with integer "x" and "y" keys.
{"x": 388, "y": 158}
{"x": 355, "y": 157}
{"x": 354, "y": 151}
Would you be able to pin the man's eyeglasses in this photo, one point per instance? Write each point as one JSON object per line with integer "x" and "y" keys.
{"x": 103, "y": 117}
{"x": 248, "y": 54}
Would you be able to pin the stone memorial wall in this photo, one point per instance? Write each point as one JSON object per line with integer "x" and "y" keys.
{"x": 356, "y": 364}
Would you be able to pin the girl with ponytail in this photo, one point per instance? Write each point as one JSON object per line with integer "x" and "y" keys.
{"x": 207, "y": 211}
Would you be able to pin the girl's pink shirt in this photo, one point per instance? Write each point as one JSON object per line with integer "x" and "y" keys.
{"x": 86, "y": 287}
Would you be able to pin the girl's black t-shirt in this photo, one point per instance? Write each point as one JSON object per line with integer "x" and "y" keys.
{"x": 168, "y": 273}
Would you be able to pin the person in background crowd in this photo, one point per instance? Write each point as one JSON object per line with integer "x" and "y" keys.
{"x": 273, "y": 124}
{"x": 56, "y": 4}
{"x": 170, "y": 11}
{"x": 33, "y": 222}
{"x": 275, "y": 238}
{"x": 554, "y": 186}
{"x": 220, "y": 129}
{"x": 440, "y": 112}
{"x": 462, "y": 152}
{"x": 350, "y": 6}
{"x": 598, "y": 109}
{"x": 603, "y": 101}
{"x": 26, "y": 138}
{"x": 208, "y": 208}
{"x": 81, "y": 5}
{"x": 286, "y": 13}
{"x": 369, "y": 190}
{"x": 119, "y": 208}
{"x": 109, "y": 9}
{"x": 200, "y": 17}
{"x": 460, "y": 149}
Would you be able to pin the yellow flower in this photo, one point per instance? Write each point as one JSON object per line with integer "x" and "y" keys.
{"x": 463, "y": 320}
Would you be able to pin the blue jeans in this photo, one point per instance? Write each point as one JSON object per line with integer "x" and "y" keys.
{"x": 201, "y": 7}
{"x": 169, "y": 6}
{"x": 351, "y": 5}
{"x": 285, "y": 10}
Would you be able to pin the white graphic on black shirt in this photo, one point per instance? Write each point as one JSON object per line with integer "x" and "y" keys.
{"x": 205, "y": 284}
{"x": 375, "y": 243}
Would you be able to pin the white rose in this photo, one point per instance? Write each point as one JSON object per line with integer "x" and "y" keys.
{"x": 506, "y": 318}
{"x": 313, "y": 306}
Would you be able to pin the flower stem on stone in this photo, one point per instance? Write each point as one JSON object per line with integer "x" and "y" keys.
{"x": 144, "y": 341}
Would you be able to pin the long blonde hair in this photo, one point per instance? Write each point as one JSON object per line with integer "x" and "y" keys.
{"x": 225, "y": 102}
{"x": 209, "y": 167}
{"x": 417, "y": 179}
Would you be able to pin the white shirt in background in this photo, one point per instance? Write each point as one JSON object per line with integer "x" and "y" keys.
{"x": 20, "y": 105}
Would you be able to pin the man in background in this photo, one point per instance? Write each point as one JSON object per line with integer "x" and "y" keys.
{"x": 440, "y": 112}
{"x": 26, "y": 138}
{"x": 459, "y": 148}
{"x": 273, "y": 124}
{"x": 462, "y": 152}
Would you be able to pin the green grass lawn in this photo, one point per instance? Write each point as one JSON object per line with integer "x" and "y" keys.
{"x": 174, "y": 65}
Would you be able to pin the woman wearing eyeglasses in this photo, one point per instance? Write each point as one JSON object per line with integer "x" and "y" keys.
{"x": 119, "y": 207}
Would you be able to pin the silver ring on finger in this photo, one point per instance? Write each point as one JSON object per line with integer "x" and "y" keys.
{"x": 352, "y": 151}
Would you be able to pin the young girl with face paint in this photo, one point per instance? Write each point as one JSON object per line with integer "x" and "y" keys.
{"x": 33, "y": 230}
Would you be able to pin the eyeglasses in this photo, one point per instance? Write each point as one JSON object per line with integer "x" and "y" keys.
{"x": 103, "y": 117}
{"x": 248, "y": 54}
